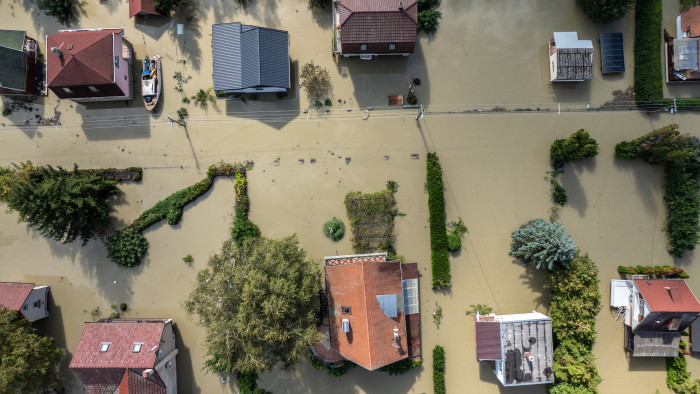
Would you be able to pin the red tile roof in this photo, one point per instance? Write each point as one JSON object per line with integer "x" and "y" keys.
{"x": 668, "y": 295}
{"x": 378, "y": 21}
{"x": 690, "y": 21}
{"x": 95, "y": 367}
{"x": 13, "y": 295}
{"x": 370, "y": 342}
{"x": 90, "y": 61}
{"x": 133, "y": 382}
{"x": 142, "y": 6}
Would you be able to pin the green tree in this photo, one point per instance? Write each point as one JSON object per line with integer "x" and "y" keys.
{"x": 574, "y": 366}
{"x": 127, "y": 247}
{"x": 62, "y": 10}
{"x": 429, "y": 20}
{"x": 165, "y": 6}
{"x": 663, "y": 145}
{"x": 542, "y": 244}
{"x": 28, "y": 362}
{"x": 63, "y": 205}
{"x": 605, "y": 11}
{"x": 580, "y": 145}
{"x": 315, "y": 80}
{"x": 320, "y": 4}
{"x": 258, "y": 304}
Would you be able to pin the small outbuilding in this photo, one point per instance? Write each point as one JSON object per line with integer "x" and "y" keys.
{"x": 17, "y": 62}
{"x": 25, "y": 298}
{"x": 142, "y": 8}
{"x": 250, "y": 59}
{"x": 570, "y": 59}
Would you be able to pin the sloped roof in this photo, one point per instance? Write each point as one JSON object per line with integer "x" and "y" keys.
{"x": 13, "y": 295}
{"x": 690, "y": 21}
{"x": 378, "y": 21}
{"x": 248, "y": 56}
{"x": 89, "y": 61}
{"x": 13, "y": 39}
{"x": 370, "y": 342}
{"x": 142, "y": 6}
{"x": 133, "y": 382}
{"x": 656, "y": 344}
{"x": 95, "y": 367}
{"x": 668, "y": 295}
{"x": 488, "y": 340}
{"x": 13, "y": 69}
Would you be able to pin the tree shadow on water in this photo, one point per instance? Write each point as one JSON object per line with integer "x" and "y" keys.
{"x": 576, "y": 196}
{"x": 187, "y": 44}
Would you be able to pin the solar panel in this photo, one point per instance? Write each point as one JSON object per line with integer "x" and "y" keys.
{"x": 612, "y": 53}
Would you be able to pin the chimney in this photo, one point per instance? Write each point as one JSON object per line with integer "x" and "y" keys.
{"x": 396, "y": 334}
{"x": 401, "y": 5}
{"x": 56, "y": 51}
{"x": 147, "y": 373}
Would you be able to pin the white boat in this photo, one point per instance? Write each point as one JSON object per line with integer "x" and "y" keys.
{"x": 151, "y": 81}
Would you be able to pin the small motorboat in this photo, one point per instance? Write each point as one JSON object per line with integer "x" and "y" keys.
{"x": 151, "y": 81}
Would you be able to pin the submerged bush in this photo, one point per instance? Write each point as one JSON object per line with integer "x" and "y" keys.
{"x": 683, "y": 210}
{"x": 401, "y": 367}
{"x": 438, "y": 229}
{"x": 439, "y": 370}
{"x": 578, "y": 146}
{"x": 605, "y": 11}
{"x": 334, "y": 229}
{"x": 542, "y": 244}
{"x": 559, "y": 196}
{"x": 454, "y": 243}
{"x": 648, "y": 72}
{"x": 62, "y": 10}
{"x": 676, "y": 371}
{"x": 126, "y": 247}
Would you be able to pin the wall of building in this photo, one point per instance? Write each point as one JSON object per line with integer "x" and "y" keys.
{"x": 166, "y": 364}
{"x": 383, "y": 48}
{"x": 121, "y": 73}
{"x": 38, "y": 296}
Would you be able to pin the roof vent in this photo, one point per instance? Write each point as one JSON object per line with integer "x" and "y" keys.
{"x": 401, "y": 5}
{"x": 396, "y": 334}
{"x": 674, "y": 294}
{"x": 346, "y": 326}
{"x": 147, "y": 373}
{"x": 56, "y": 52}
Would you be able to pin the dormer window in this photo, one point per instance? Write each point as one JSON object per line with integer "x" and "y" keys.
{"x": 346, "y": 310}
{"x": 137, "y": 347}
{"x": 392, "y": 47}
{"x": 67, "y": 90}
{"x": 363, "y": 47}
{"x": 104, "y": 347}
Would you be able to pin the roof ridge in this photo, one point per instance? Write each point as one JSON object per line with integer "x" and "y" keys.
{"x": 364, "y": 297}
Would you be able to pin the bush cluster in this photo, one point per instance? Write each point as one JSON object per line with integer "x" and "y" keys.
{"x": 248, "y": 383}
{"x": 559, "y": 196}
{"x": 605, "y": 11}
{"x": 681, "y": 155}
{"x": 438, "y": 230}
{"x": 666, "y": 270}
{"x": 428, "y": 16}
{"x": 578, "y": 146}
{"x": 648, "y": 76}
{"x": 126, "y": 247}
{"x": 62, "y": 10}
{"x": 575, "y": 300}
{"x": 542, "y": 244}
{"x": 439, "y": 370}
{"x": 676, "y": 371}
{"x": 401, "y": 367}
{"x": 334, "y": 229}
{"x": 242, "y": 228}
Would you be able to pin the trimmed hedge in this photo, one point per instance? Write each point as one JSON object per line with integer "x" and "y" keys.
{"x": 683, "y": 209}
{"x": 676, "y": 371}
{"x": 438, "y": 230}
{"x": 439, "y": 370}
{"x": 648, "y": 70}
{"x": 666, "y": 270}
{"x": 171, "y": 207}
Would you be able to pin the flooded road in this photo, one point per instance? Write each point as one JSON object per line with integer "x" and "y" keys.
{"x": 494, "y": 164}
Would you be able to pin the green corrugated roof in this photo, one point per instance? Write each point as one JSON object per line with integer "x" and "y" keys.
{"x": 12, "y": 39}
{"x": 13, "y": 69}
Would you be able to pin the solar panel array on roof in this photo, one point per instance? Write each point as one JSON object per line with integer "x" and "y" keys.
{"x": 612, "y": 53}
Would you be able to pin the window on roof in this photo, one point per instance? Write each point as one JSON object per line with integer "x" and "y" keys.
{"x": 116, "y": 61}
{"x": 392, "y": 47}
{"x": 363, "y": 47}
{"x": 104, "y": 347}
{"x": 36, "y": 304}
{"x": 137, "y": 347}
{"x": 67, "y": 90}
{"x": 346, "y": 310}
{"x": 93, "y": 89}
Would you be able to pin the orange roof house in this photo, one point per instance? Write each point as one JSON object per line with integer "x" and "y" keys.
{"x": 373, "y": 317}
{"x": 142, "y": 8}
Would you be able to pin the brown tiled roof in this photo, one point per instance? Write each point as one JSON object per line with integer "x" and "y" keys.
{"x": 142, "y": 6}
{"x": 90, "y": 60}
{"x": 668, "y": 295}
{"x": 13, "y": 295}
{"x": 690, "y": 21}
{"x": 378, "y": 21}
{"x": 323, "y": 349}
{"x": 370, "y": 342}
{"x": 95, "y": 367}
{"x": 133, "y": 382}
{"x": 488, "y": 340}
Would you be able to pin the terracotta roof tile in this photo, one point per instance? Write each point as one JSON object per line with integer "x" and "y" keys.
{"x": 668, "y": 295}
{"x": 370, "y": 342}
{"x": 89, "y": 61}
{"x": 378, "y": 21}
{"x": 142, "y": 6}
{"x": 13, "y": 295}
{"x": 690, "y": 21}
{"x": 133, "y": 382}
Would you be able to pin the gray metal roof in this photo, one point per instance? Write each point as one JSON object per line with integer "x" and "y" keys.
{"x": 13, "y": 39}
{"x": 248, "y": 56}
{"x": 612, "y": 53}
{"x": 685, "y": 54}
{"x": 656, "y": 344}
{"x": 13, "y": 69}
{"x": 527, "y": 352}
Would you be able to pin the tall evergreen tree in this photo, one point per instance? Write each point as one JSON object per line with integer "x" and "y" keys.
{"x": 259, "y": 305}
{"x": 62, "y": 205}
{"x": 542, "y": 244}
{"x": 28, "y": 361}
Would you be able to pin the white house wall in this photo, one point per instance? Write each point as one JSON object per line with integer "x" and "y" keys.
{"x": 39, "y": 297}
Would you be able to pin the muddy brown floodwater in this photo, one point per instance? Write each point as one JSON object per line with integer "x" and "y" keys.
{"x": 485, "y": 54}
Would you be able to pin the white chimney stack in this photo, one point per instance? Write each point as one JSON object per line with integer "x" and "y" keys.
{"x": 56, "y": 51}
{"x": 147, "y": 373}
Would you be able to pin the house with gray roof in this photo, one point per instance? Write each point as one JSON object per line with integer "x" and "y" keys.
{"x": 250, "y": 59}
{"x": 570, "y": 59}
{"x": 520, "y": 347}
{"x": 17, "y": 62}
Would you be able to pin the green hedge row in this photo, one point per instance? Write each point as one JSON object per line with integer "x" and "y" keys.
{"x": 666, "y": 270}
{"x": 575, "y": 300}
{"x": 648, "y": 70}
{"x": 438, "y": 230}
{"x": 683, "y": 209}
{"x": 676, "y": 371}
{"x": 439, "y": 370}
{"x": 242, "y": 227}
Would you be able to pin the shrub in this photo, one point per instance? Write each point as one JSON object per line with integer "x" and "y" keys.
{"x": 319, "y": 4}
{"x": 126, "y": 247}
{"x": 327, "y": 102}
{"x": 454, "y": 243}
{"x": 579, "y": 145}
{"x": 188, "y": 259}
{"x": 542, "y": 244}
{"x": 479, "y": 308}
{"x": 315, "y": 80}
{"x": 559, "y": 196}
{"x": 439, "y": 370}
{"x": 648, "y": 75}
{"x": 247, "y": 382}
{"x": 204, "y": 96}
{"x": 341, "y": 370}
{"x": 243, "y": 229}
{"x": 411, "y": 99}
{"x": 165, "y": 6}
{"x": 605, "y": 11}
{"x": 660, "y": 146}
{"x": 122, "y": 307}
{"x": 182, "y": 112}
{"x": 676, "y": 371}
{"x": 334, "y": 229}
{"x": 401, "y": 367}
{"x": 438, "y": 229}
{"x": 62, "y": 10}
{"x": 316, "y": 363}
{"x": 574, "y": 364}
{"x": 683, "y": 209}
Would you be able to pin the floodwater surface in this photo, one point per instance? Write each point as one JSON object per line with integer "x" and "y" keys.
{"x": 485, "y": 54}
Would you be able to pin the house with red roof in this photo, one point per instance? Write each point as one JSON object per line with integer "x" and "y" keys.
{"x": 135, "y": 356}
{"x": 142, "y": 8}
{"x": 368, "y": 28}
{"x": 373, "y": 311}
{"x": 656, "y": 312}
{"x": 89, "y": 65}
{"x": 25, "y": 298}
{"x": 519, "y": 345}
